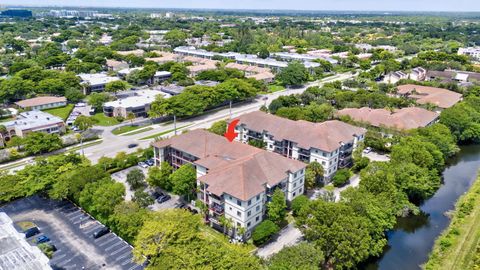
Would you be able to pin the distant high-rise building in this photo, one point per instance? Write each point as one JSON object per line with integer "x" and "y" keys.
{"x": 23, "y": 13}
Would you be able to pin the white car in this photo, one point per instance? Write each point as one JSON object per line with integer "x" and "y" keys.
{"x": 81, "y": 104}
{"x": 367, "y": 150}
{"x": 143, "y": 165}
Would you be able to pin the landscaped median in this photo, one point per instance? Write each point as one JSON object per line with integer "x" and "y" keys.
{"x": 458, "y": 247}
{"x": 163, "y": 133}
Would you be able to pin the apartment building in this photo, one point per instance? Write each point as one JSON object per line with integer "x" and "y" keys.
{"x": 95, "y": 82}
{"x": 473, "y": 52}
{"x": 235, "y": 180}
{"x": 41, "y": 103}
{"x": 438, "y": 97}
{"x": 138, "y": 103}
{"x": 330, "y": 143}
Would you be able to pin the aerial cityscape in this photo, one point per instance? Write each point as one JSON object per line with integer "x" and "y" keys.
{"x": 243, "y": 135}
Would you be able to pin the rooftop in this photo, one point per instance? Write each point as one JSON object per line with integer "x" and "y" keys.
{"x": 139, "y": 99}
{"x": 38, "y": 101}
{"x": 327, "y": 136}
{"x": 32, "y": 120}
{"x": 403, "y": 119}
{"x": 233, "y": 168}
{"x": 440, "y": 97}
{"x": 16, "y": 252}
{"x": 97, "y": 78}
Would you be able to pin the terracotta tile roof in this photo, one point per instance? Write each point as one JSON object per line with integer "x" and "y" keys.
{"x": 37, "y": 101}
{"x": 403, "y": 119}
{"x": 441, "y": 98}
{"x": 327, "y": 136}
{"x": 234, "y": 168}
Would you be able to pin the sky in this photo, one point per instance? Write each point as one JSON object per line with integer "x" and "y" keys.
{"x": 363, "y": 5}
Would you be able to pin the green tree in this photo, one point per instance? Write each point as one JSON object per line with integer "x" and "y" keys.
{"x": 160, "y": 176}
{"x": 100, "y": 198}
{"x": 116, "y": 86}
{"x": 142, "y": 198}
{"x": 313, "y": 174}
{"x": 264, "y": 231}
{"x": 175, "y": 38}
{"x": 303, "y": 256}
{"x": 341, "y": 177}
{"x": 184, "y": 180}
{"x": 294, "y": 74}
{"x": 127, "y": 220}
{"x": 97, "y": 100}
{"x": 298, "y": 203}
{"x": 40, "y": 142}
{"x": 277, "y": 208}
{"x": 136, "y": 179}
{"x": 84, "y": 122}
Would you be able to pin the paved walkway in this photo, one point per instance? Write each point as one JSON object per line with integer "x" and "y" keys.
{"x": 288, "y": 236}
{"x": 354, "y": 182}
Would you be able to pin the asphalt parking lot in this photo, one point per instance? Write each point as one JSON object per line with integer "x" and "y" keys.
{"x": 121, "y": 177}
{"x": 70, "y": 230}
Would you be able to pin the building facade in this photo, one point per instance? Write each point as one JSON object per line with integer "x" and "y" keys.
{"x": 330, "y": 143}
{"x": 41, "y": 103}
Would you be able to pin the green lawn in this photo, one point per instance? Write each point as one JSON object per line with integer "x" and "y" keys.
{"x": 62, "y": 112}
{"x": 458, "y": 247}
{"x": 103, "y": 120}
{"x": 162, "y": 133}
{"x": 138, "y": 131}
{"x": 125, "y": 129}
{"x": 275, "y": 88}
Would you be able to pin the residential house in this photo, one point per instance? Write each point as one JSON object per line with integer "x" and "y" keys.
{"x": 234, "y": 180}
{"x": 394, "y": 77}
{"x": 114, "y": 65}
{"x": 439, "y": 97}
{"x": 418, "y": 74}
{"x": 41, "y": 103}
{"x": 399, "y": 119}
{"x": 330, "y": 143}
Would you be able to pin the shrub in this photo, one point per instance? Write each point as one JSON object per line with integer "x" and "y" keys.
{"x": 264, "y": 231}
{"x": 341, "y": 177}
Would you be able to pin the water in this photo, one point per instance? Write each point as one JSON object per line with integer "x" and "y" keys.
{"x": 410, "y": 243}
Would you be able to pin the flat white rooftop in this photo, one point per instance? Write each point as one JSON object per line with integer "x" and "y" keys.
{"x": 97, "y": 78}
{"x": 139, "y": 99}
{"x": 33, "y": 120}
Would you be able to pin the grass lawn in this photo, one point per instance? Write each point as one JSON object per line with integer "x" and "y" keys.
{"x": 162, "y": 133}
{"x": 103, "y": 120}
{"x": 25, "y": 225}
{"x": 85, "y": 145}
{"x": 220, "y": 237}
{"x": 458, "y": 247}
{"x": 138, "y": 131}
{"x": 273, "y": 88}
{"x": 62, "y": 112}
{"x": 125, "y": 129}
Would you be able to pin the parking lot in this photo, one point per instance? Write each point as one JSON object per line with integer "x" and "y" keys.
{"x": 121, "y": 177}
{"x": 70, "y": 230}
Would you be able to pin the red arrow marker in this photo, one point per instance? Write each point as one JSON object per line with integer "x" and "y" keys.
{"x": 231, "y": 134}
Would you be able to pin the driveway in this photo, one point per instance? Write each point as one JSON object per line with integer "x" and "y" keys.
{"x": 288, "y": 236}
{"x": 373, "y": 156}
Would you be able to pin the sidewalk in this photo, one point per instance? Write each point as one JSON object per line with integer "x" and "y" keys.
{"x": 354, "y": 182}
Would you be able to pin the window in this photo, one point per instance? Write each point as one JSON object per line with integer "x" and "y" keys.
{"x": 248, "y": 224}
{"x": 258, "y": 208}
{"x": 249, "y": 202}
{"x": 257, "y": 218}
{"x": 238, "y": 225}
{"x": 249, "y": 213}
{"x": 294, "y": 185}
{"x": 294, "y": 193}
{"x": 230, "y": 208}
{"x": 258, "y": 197}
{"x": 301, "y": 181}
{"x": 239, "y": 214}
{"x": 301, "y": 190}
{"x": 239, "y": 202}
{"x": 323, "y": 163}
{"x": 294, "y": 175}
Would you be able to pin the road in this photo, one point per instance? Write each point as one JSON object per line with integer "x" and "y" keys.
{"x": 112, "y": 144}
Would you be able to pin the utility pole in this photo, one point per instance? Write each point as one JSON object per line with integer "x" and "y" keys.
{"x": 175, "y": 124}
{"x": 230, "y": 109}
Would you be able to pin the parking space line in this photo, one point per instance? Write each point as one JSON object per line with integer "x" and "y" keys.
{"x": 58, "y": 258}
{"x": 123, "y": 255}
{"x": 74, "y": 212}
{"x": 134, "y": 267}
{"x": 64, "y": 262}
{"x": 127, "y": 261}
{"x": 83, "y": 219}
{"x": 75, "y": 216}
{"x": 106, "y": 242}
{"x": 114, "y": 245}
{"x": 92, "y": 228}
{"x": 118, "y": 250}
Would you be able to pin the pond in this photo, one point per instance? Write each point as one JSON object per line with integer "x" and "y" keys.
{"x": 411, "y": 241}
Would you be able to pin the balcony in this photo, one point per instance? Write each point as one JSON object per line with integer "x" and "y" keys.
{"x": 217, "y": 209}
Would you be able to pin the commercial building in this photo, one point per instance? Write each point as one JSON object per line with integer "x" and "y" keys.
{"x": 439, "y": 97}
{"x": 401, "y": 119}
{"x": 138, "y": 104}
{"x": 33, "y": 121}
{"x": 234, "y": 180}
{"x": 464, "y": 78}
{"x": 15, "y": 251}
{"x": 330, "y": 143}
{"x": 95, "y": 82}
{"x": 41, "y": 103}
{"x": 473, "y": 52}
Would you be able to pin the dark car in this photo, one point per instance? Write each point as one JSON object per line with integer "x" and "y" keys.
{"x": 163, "y": 199}
{"x": 150, "y": 162}
{"x": 132, "y": 145}
{"x": 155, "y": 195}
{"x": 42, "y": 239}
{"x": 101, "y": 232}
{"x": 181, "y": 206}
{"x": 31, "y": 232}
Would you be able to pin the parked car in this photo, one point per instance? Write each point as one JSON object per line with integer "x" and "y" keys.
{"x": 367, "y": 150}
{"x": 150, "y": 162}
{"x": 101, "y": 232}
{"x": 31, "y": 232}
{"x": 143, "y": 165}
{"x": 155, "y": 195}
{"x": 132, "y": 145}
{"x": 181, "y": 206}
{"x": 42, "y": 239}
{"x": 80, "y": 104}
{"x": 164, "y": 198}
